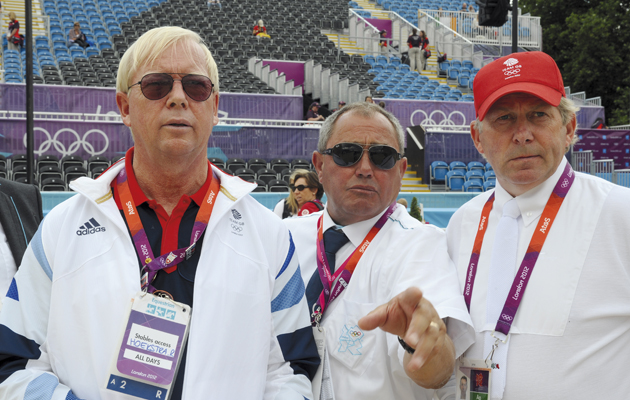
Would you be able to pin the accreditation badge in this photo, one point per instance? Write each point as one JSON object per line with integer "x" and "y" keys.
{"x": 150, "y": 349}
{"x": 473, "y": 380}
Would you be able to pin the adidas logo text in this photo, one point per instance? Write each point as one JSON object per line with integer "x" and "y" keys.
{"x": 90, "y": 227}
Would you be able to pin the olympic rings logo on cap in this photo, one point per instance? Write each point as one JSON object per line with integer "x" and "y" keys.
{"x": 512, "y": 72}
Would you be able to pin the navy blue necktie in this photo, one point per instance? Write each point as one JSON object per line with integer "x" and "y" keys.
{"x": 333, "y": 240}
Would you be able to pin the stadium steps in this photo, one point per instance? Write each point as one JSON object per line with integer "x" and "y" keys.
{"x": 411, "y": 183}
{"x": 376, "y": 10}
{"x": 347, "y": 45}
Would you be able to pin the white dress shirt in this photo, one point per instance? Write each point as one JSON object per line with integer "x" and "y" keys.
{"x": 403, "y": 254}
{"x": 571, "y": 334}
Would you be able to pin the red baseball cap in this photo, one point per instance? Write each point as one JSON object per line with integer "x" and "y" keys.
{"x": 532, "y": 72}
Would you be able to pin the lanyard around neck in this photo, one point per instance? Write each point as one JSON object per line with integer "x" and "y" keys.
{"x": 335, "y": 284}
{"x": 515, "y": 295}
{"x": 150, "y": 264}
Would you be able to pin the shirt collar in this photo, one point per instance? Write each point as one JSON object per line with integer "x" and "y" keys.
{"x": 533, "y": 202}
{"x": 355, "y": 232}
{"x": 138, "y": 195}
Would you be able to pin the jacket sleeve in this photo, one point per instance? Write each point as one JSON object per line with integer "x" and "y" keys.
{"x": 25, "y": 372}
{"x": 294, "y": 358}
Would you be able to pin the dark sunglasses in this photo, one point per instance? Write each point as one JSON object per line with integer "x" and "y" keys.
{"x": 348, "y": 154}
{"x": 157, "y": 86}
{"x": 298, "y": 187}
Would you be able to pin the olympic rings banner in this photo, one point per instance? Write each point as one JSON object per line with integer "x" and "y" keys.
{"x": 454, "y": 113}
{"x": 90, "y": 100}
{"x": 88, "y": 139}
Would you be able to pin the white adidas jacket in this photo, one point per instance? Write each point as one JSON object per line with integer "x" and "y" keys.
{"x": 71, "y": 295}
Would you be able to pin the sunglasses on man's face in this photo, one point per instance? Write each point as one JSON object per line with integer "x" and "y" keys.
{"x": 298, "y": 187}
{"x": 348, "y": 154}
{"x": 158, "y": 85}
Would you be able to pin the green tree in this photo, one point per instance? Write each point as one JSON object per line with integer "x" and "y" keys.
{"x": 415, "y": 209}
{"x": 590, "y": 41}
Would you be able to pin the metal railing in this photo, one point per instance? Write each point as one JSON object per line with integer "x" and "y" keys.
{"x": 466, "y": 24}
{"x": 620, "y": 127}
{"x": 447, "y": 40}
{"x": 581, "y": 161}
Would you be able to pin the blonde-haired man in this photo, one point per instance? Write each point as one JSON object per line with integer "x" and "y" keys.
{"x": 175, "y": 239}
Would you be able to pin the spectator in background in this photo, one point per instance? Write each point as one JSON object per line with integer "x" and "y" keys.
{"x": 425, "y": 52}
{"x": 341, "y": 104}
{"x": 415, "y": 43}
{"x": 464, "y": 7}
{"x": 260, "y": 30}
{"x": 14, "y": 40}
{"x": 307, "y": 193}
{"x": 312, "y": 115}
{"x": 368, "y": 99}
{"x": 383, "y": 42}
{"x": 381, "y": 104}
{"x": 76, "y": 36}
{"x": 403, "y": 202}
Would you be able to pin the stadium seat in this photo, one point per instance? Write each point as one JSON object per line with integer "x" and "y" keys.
{"x": 476, "y": 165}
{"x": 473, "y": 186}
{"x": 245, "y": 173}
{"x": 278, "y": 186}
{"x": 234, "y": 164}
{"x": 488, "y": 185}
{"x": 488, "y": 167}
{"x": 256, "y": 164}
{"x": 455, "y": 180}
{"x": 278, "y": 164}
{"x": 476, "y": 176}
{"x": 489, "y": 175}
{"x": 458, "y": 165}
{"x": 74, "y": 172}
{"x": 52, "y": 185}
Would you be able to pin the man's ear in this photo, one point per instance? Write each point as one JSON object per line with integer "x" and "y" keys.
{"x": 476, "y": 137}
{"x": 122, "y": 100}
{"x": 318, "y": 162}
{"x": 215, "y": 118}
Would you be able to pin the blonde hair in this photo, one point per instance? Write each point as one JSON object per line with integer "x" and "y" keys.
{"x": 150, "y": 46}
{"x": 12, "y": 15}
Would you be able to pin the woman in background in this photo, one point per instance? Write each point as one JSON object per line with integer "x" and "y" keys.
{"x": 307, "y": 193}
{"x": 14, "y": 40}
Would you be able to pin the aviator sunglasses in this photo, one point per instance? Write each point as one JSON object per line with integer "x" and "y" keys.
{"x": 348, "y": 154}
{"x": 158, "y": 85}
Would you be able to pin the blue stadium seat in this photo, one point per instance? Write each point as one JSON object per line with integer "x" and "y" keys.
{"x": 455, "y": 180}
{"x": 475, "y": 175}
{"x": 489, "y": 185}
{"x": 489, "y": 175}
{"x": 473, "y": 165}
{"x": 473, "y": 186}
{"x": 458, "y": 165}
{"x": 438, "y": 170}
{"x": 489, "y": 167}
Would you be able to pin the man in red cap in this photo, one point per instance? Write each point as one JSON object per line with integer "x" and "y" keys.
{"x": 543, "y": 260}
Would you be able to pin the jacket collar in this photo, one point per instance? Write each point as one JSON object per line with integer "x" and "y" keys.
{"x": 98, "y": 191}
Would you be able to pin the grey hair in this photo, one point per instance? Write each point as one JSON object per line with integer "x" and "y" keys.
{"x": 367, "y": 110}
{"x": 567, "y": 109}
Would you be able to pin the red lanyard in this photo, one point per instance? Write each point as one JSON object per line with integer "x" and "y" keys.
{"x": 335, "y": 284}
{"x": 515, "y": 295}
{"x": 150, "y": 264}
